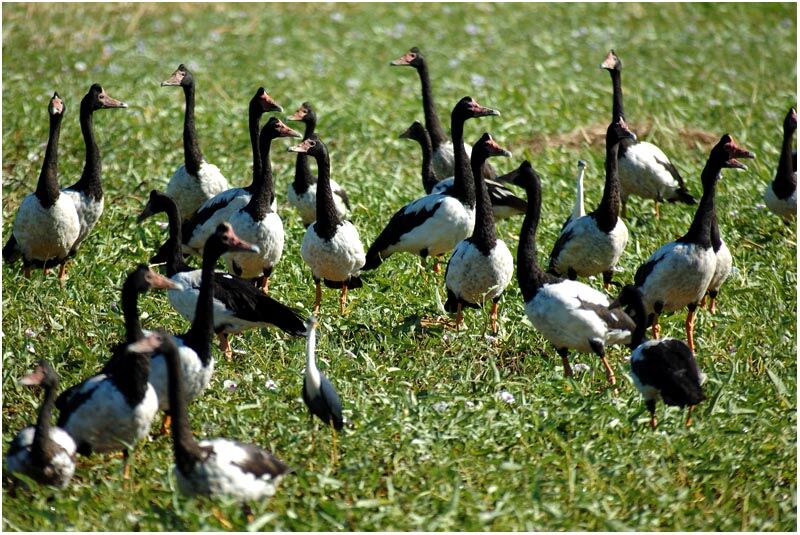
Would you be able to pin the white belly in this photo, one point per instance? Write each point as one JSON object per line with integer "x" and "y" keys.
{"x": 89, "y": 212}
{"x": 785, "y": 208}
{"x": 336, "y": 260}
{"x": 681, "y": 278}
{"x": 723, "y": 268}
{"x": 45, "y": 234}
{"x": 476, "y": 278}
{"x": 641, "y": 175}
{"x": 267, "y": 234}
{"x": 195, "y": 377}
{"x": 189, "y": 191}
{"x": 591, "y": 251}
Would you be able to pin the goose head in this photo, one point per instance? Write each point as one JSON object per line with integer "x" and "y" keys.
{"x": 143, "y": 278}
{"x": 790, "y": 122}
{"x": 612, "y": 62}
{"x": 42, "y": 375}
{"x": 275, "y": 128}
{"x": 263, "y": 103}
{"x": 156, "y": 204}
{"x": 305, "y": 114}
{"x": 416, "y": 131}
{"x": 155, "y": 341}
{"x": 467, "y": 108}
{"x": 98, "y": 99}
{"x": 487, "y": 147}
{"x": 225, "y": 240}
{"x": 312, "y": 146}
{"x": 181, "y": 77}
{"x": 56, "y": 106}
{"x": 412, "y": 58}
{"x": 525, "y": 176}
{"x": 617, "y": 131}
{"x": 727, "y": 152}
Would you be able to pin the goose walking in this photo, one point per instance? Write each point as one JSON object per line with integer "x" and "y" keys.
{"x": 331, "y": 247}
{"x": 46, "y": 224}
{"x": 303, "y": 190}
{"x": 569, "y": 314}
{"x": 781, "y": 194}
{"x": 481, "y": 266}
{"x": 593, "y": 243}
{"x": 644, "y": 169}
{"x": 678, "y": 274}
{"x": 661, "y": 369}
{"x": 43, "y": 452}
{"x": 218, "y": 467}
{"x": 434, "y": 224}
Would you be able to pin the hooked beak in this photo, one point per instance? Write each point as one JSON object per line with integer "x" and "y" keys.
{"x": 302, "y": 147}
{"x": 404, "y": 60}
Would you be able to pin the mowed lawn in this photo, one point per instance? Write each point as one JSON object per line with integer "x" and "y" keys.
{"x": 450, "y": 431}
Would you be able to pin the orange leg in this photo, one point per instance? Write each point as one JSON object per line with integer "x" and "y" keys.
{"x": 265, "y": 285}
{"x": 27, "y": 272}
{"x": 436, "y": 265}
{"x": 225, "y": 345}
{"x": 609, "y": 371}
{"x": 62, "y": 273}
{"x": 656, "y": 327}
{"x": 165, "y": 424}
{"x": 690, "y": 329}
{"x": 565, "y": 361}
{"x": 343, "y": 299}
{"x": 712, "y": 306}
{"x": 493, "y": 316}
{"x": 689, "y": 416}
{"x": 658, "y": 211}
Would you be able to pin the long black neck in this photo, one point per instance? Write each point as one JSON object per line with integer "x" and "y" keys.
{"x": 264, "y": 192}
{"x": 47, "y": 189}
{"x": 432, "y": 123}
{"x": 607, "y": 211}
{"x": 89, "y": 182}
{"x": 253, "y": 126}
{"x": 327, "y": 218}
{"x": 484, "y": 236}
{"x": 130, "y": 312}
{"x": 171, "y": 252}
{"x": 638, "y": 336}
{"x": 463, "y": 181}
{"x": 199, "y": 335}
{"x": 191, "y": 149}
{"x": 700, "y": 231}
{"x": 187, "y": 450}
{"x": 302, "y": 168}
{"x": 785, "y": 179}
{"x": 616, "y": 81}
{"x": 42, "y": 445}
{"x": 529, "y": 274}
{"x": 428, "y": 176}
{"x": 716, "y": 239}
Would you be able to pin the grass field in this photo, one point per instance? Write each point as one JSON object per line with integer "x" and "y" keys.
{"x": 433, "y": 446}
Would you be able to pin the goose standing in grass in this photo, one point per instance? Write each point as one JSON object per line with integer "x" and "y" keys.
{"x": 331, "y": 247}
{"x": 578, "y": 210}
{"x": 218, "y": 467}
{"x": 319, "y": 395}
{"x": 434, "y": 224}
{"x": 258, "y": 222}
{"x": 644, "y": 169}
{"x": 504, "y": 203}
{"x": 114, "y": 409}
{"x": 196, "y": 180}
{"x": 238, "y": 305}
{"x": 303, "y": 191}
{"x": 43, "y": 452}
{"x": 661, "y": 369}
{"x": 569, "y": 314}
{"x": 219, "y": 208}
{"x": 678, "y": 274}
{"x": 593, "y": 243}
{"x": 481, "y": 266}
{"x": 443, "y": 153}
{"x": 781, "y": 194}
{"x": 87, "y": 193}
{"x": 723, "y": 267}
{"x": 46, "y": 224}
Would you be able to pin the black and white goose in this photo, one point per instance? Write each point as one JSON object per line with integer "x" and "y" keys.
{"x": 678, "y": 274}
{"x": 331, "y": 247}
{"x": 661, "y": 369}
{"x": 196, "y": 180}
{"x": 219, "y": 208}
{"x": 87, "y": 192}
{"x": 258, "y": 222}
{"x": 113, "y": 410}
{"x": 43, "y": 452}
{"x": 723, "y": 267}
{"x": 578, "y": 210}
{"x": 644, "y": 169}
{"x": 238, "y": 305}
{"x": 504, "y": 203}
{"x": 319, "y": 395}
{"x": 217, "y": 467}
{"x": 443, "y": 154}
{"x": 569, "y": 314}
{"x": 46, "y": 224}
{"x": 781, "y": 194}
{"x": 481, "y": 266}
{"x": 303, "y": 191}
{"x": 593, "y": 243}
{"x": 434, "y": 224}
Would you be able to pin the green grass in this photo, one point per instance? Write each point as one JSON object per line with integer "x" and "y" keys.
{"x": 432, "y": 447}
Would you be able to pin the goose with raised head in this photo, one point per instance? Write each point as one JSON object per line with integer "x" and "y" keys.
{"x": 43, "y": 452}
{"x": 443, "y": 154}
{"x": 569, "y": 314}
{"x": 218, "y": 467}
{"x": 331, "y": 247}
{"x": 644, "y": 169}
{"x": 578, "y": 210}
{"x": 238, "y": 305}
{"x": 87, "y": 193}
{"x": 481, "y": 266}
{"x": 303, "y": 191}
{"x": 678, "y": 274}
{"x": 504, "y": 203}
{"x": 219, "y": 208}
{"x": 593, "y": 243}
{"x": 781, "y": 194}
{"x": 434, "y": 224}
{"x": 46, "y": 224}
{"x": 723, "y": 268}
{"x": 661, "y": 369}
{"x": 195, "y": 181}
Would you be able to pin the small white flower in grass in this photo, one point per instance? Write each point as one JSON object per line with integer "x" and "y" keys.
{"x": 163, "y": 225}
{"x": 734, "y": 213}
{"x": 337, "y": 17}
{"x": 470, "y": 404}
{"x": 352, "y": 83}
{"x": 445, "y": 337}
{"x": 80, "y": 66}
{"x": 440, "y": 406}
{"x": 29, "y": 348}
{"x": 193, "y": 65}
{"x": 580, "y": 367}
{"x": 108, "y": 50}
{"x": 214, "y": 37}
{"x": 453, "y": 62}
{"x": 477, "y": 80}
{"x": 490, "y": 339}
{"x": 229, "y": 385}
{"x": 277, "y": 40}
{"x": 271, "y": 385}
{"x": 398, "y": 30}
{"x": 239, "y": 352}
{"x": 350, "y": 354}
{"x": 283, "y": 73}
{"x": 30, "y": 333}
{"x": 471, "y": 29}
{"x": 506, "y": 396}
{"x": 760, "y": 205}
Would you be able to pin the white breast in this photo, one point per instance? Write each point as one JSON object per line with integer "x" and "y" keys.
{"x": 785, "y": 208}
{"x": 89, "y": 212}
{"x": 476, "y": 278}
{"x": 231, "y": 203}
{"x": 640, "y": 174}
{"x": 194, "y": 375}
{"x": 336, "y": 260}
{"x": 189, "y": 191}
{"x": 61, "y": 466}
{"x": 306, "y": 203}
{"x": 723, "y": 268}
{"x": 591, "y": 251}
{"x": 45, "y": 234}
{"x": 440, "y": 233}
{"x": 267, "y": 234}
{"x": 680, "y": 277}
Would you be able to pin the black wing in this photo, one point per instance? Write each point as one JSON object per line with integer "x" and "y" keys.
{"x": 614, "y": 318}
{"x": 333, "y": 402}
{"x": 200, "y": 217}
{"x": 643, "y": 271}
{"x": 343, "y": 195}
{"x": 72, "y": 398}
{"x": 502, "y": 196}
{"x": 260, "y": 462}
{"x": 249, "y": 303}
{"x": 670, "y": 367}
{"x": 11, "y": 251}
{"x": 561, "y": 242}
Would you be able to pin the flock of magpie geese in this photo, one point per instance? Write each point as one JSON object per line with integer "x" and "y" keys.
{"x": 152, "y": 371}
